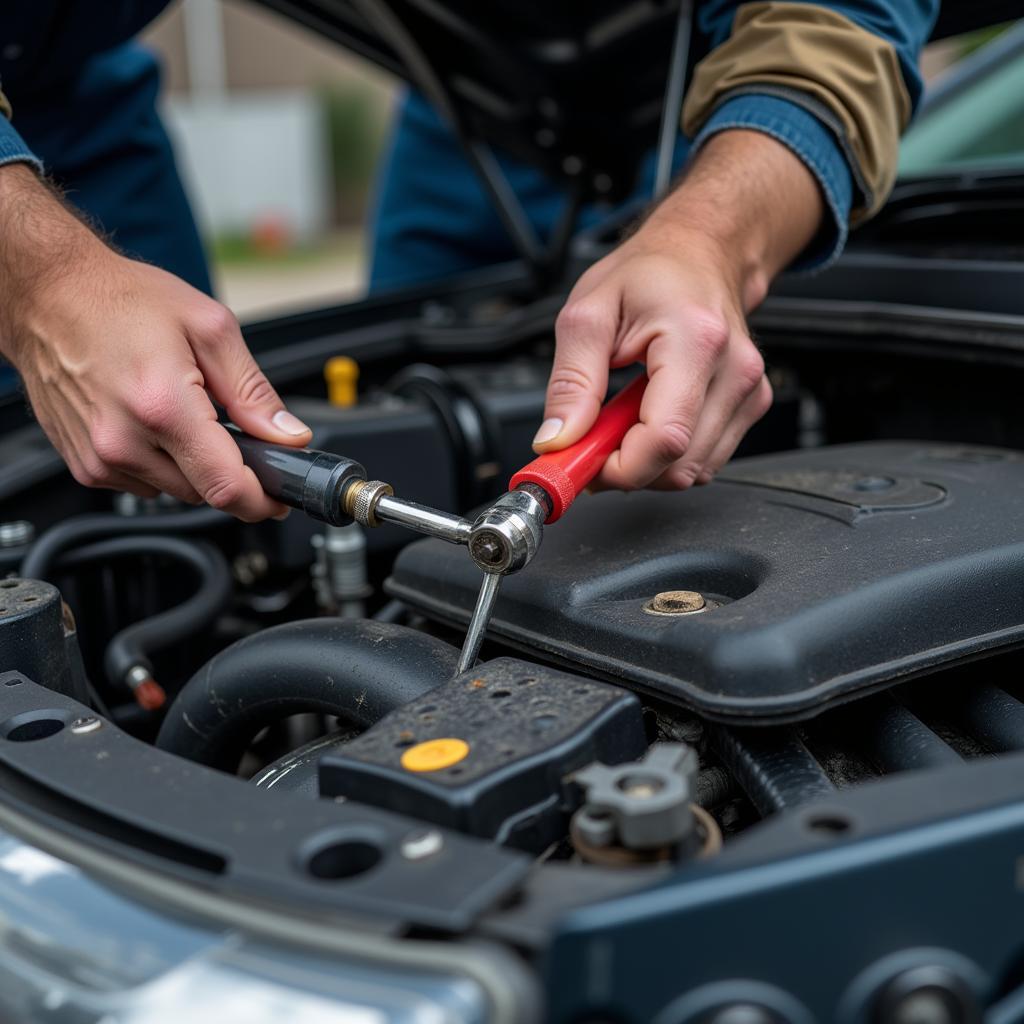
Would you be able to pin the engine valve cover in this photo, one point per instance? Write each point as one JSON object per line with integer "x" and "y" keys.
{"x": 822, "y": 574}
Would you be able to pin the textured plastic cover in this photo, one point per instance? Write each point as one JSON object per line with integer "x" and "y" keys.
{"x": 836, "y": 571}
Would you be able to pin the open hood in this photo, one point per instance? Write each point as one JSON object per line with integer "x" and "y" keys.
{"x": 577, "y": 89}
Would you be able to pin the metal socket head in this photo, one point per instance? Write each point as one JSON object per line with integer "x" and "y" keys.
{"x": 505, "y": 538}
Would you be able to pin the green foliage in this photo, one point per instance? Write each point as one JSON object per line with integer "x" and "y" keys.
{"x": 355, "y": 127}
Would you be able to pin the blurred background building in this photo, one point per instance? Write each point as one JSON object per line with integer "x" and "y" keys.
{"x": 279, "y": 135}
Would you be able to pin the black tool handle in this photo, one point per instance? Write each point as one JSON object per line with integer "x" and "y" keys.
{"x": 303, "y": 478}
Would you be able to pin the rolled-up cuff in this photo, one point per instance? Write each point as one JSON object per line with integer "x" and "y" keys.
{"x": 815, "y": 144}
{"x": 14, "y": 149}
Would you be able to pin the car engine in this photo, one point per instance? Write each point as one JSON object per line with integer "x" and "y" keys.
{"x": 738, "y": 714}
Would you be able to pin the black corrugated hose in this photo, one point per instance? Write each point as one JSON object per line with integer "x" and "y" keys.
{"x": 130, "y": 647}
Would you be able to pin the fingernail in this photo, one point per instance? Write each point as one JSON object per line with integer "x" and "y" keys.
{"x": 290, "y": 424}
{"x": 549, "y": 430}
{"x": 283, "y": 516}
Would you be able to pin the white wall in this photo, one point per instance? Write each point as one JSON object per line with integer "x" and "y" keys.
{"x": 254, "y": 156}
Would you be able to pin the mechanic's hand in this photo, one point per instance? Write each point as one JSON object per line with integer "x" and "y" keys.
{"x": 674, "y": 297}
{"x": 120, "y": 360}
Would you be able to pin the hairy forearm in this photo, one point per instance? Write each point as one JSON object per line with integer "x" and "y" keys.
{"x": 40, "y": 241}
{"x": 748, "y": 198}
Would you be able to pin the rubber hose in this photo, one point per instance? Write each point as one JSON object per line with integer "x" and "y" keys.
{"x": 356, "y": 669}
{"x": 130, "y": 646}
{"x": 773, "y": 766}
{"x": 79, "y": 530}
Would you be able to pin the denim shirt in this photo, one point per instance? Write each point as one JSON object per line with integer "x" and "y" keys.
{"x": 43, "y": 44}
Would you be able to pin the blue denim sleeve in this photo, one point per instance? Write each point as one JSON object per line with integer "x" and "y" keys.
{"x": 814, "y": 143}
{"x": 13, "y": 148}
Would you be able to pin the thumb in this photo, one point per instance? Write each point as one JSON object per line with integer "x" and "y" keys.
{"x": 237, "y": 383}
{"x": 584, "y": 339}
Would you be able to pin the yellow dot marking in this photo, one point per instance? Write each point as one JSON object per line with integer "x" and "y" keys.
{"x": 341, "y": 374}
{"x": 433, "y": 755}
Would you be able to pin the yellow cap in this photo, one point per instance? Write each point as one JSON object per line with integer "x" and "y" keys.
{"x": 341, "y": 374}
{"x": 433, "y": 755}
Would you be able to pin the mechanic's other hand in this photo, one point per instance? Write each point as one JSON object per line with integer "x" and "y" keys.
{"x": 675, "y": 297}
{"x": 677, "y": 311}
{"x": 120, "y": 361}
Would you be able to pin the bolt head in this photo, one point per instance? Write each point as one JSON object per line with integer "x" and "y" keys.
{"x": 85, "y": 725}
{"x": 487, "y": 550}
{"x": 678, "y": 602}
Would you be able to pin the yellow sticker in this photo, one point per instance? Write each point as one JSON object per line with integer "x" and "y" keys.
{"x": 433, "y": 755}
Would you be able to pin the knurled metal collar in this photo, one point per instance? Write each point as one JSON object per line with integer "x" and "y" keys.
{"x": 361, "y": 500}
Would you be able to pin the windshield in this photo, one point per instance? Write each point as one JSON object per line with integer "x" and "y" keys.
{"x": 972, "y": 114}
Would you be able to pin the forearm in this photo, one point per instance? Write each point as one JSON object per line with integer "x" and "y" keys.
{"x": 40, "y": 239}
{"x": 748, "y": 203}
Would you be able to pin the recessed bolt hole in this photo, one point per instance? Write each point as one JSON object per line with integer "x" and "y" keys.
{"x": 9, "y": 585}
{"x": 13, "y": 682}
{"x": 499, "y": 694}
{"x": 405, "y": 743}
{"x": 544, "y": 722}
{"x": 581, "y": 690}
{"x": 528, "y": 681}
{"x": 829, "y": 824}
{"x": 345, "y": 859}
{"x": 31, "y": 727}
{"x": 508, "y": 753}
{"x": 427, "y": 708}
{"x": 29, "y": 600}
{"x": 454, "y": 771}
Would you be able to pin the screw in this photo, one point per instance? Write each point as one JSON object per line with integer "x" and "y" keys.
{"x": 421, "y": 845}
{"x": 677, "y": 602}
{"x": 86, "y": 725}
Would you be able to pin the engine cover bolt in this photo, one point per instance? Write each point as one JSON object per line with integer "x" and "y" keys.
{"x": 677, "y": 602}
{"x": 84, "y": 726}
{"x": 421, "y": 845}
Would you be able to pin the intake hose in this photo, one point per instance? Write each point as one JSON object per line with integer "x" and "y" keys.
{"x": 125, "y": 660}
{"x": 356, "y": 669}
{"x": 79, "y": 530}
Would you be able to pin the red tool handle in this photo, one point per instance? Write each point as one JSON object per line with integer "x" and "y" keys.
{"x": 564, "y": 474}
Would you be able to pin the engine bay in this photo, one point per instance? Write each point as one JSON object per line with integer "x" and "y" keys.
{"x": 680, "y": 695}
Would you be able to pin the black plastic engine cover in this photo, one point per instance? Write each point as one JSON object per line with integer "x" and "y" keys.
{"x": 838, "y": 570}
{"x": 522, "y": 730}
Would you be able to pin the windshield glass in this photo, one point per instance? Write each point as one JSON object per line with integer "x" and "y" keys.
{"x": 972, "y": 114}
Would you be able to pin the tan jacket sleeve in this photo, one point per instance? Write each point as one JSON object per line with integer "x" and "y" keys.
{"x": 846, "y": 75}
